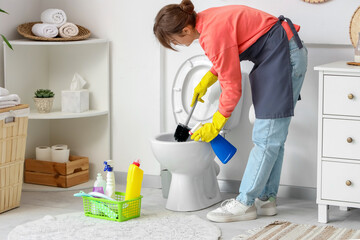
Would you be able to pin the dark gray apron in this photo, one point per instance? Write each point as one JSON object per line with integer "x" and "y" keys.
{"x": 270, "y": 78}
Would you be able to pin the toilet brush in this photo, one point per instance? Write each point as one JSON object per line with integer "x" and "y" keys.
{"x": 182, "y": 130}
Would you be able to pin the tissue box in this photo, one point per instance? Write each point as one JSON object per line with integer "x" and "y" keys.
{"x": 76, "y": 101}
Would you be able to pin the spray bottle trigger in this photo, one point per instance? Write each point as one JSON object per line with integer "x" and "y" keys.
{"x": 107, "y": 167}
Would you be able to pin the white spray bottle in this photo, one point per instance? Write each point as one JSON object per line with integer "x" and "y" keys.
{"x": 110, "y": 179}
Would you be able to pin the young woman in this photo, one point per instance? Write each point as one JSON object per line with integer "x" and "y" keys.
{"x": 228, "y": 35}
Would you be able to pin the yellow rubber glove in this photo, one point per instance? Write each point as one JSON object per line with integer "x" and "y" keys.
{"x": 210, "y": 130}
{"x": 200, "y": 90}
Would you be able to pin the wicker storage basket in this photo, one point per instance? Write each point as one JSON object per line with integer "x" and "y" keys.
{"x": 13, "y": 132}
{"x": 315, "y": 1}
{"x": 25, "y": 30}
{"x": 355, "y": 27}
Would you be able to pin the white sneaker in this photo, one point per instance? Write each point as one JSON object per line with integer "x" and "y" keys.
{"x": 232, "y": 210}
{"x": 266, "y": 208}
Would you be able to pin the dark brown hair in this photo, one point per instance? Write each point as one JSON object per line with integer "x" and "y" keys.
{"x": 171, "y": 19}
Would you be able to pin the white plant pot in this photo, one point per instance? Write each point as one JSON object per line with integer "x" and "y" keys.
{"x": 43, "y": 105}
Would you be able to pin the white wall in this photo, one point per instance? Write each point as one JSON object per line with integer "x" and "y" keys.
{"x": 321, "y": 23}
{"x": 136, "y": 60}
{"x": 28, "y": 12}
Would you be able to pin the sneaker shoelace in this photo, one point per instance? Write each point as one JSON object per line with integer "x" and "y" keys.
{"x": 228, "y": 203}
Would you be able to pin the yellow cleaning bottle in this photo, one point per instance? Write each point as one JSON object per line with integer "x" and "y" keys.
{"x": 134, "y": 180}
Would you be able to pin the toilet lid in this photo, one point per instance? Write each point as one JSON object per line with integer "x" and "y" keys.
{"x": 187, "y": 78}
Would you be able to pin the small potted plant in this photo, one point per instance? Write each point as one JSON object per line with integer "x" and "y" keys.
{"x": 44, "y": 99}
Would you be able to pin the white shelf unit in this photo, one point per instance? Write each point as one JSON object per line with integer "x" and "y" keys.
{"x": 338, "y": 160}
{"x": 64, "y": 115}
{"x": 41, "y": 64}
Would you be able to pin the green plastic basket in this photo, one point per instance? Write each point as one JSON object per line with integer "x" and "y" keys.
{"x": 119, "y": 210}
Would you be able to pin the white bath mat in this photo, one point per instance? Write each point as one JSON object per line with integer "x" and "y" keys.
{"x": 161, "y": 226}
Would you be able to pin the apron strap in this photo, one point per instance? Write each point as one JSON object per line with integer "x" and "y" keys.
{"x": 291, "y": 25}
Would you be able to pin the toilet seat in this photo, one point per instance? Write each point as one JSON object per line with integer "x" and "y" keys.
{"x": 186, "y": 79}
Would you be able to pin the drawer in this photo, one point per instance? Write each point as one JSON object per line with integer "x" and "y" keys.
{"x": 341, "y": 139}
{"x": 342, "y": 95}
{"x": 340, "y": 181}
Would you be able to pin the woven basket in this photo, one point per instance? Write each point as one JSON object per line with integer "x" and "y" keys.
{"x": 355, "y": 27}
{"x": 13, "y": 132}
{"x": 25, "y": 30}
{"x": 315, "y": 1}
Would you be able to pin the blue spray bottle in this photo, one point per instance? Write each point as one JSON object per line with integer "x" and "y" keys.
{"x": 222, "y": 148}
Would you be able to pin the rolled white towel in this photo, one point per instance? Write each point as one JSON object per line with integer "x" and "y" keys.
{"x": 54, "y": 16}
{"x": 45, "y": 30}
{"x": 4, "y": 92}
{"x": 68, "y": 30}
{"x": 11, "y": 97}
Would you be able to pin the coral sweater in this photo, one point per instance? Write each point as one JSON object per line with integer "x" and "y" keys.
{"x": 226, "y": 32}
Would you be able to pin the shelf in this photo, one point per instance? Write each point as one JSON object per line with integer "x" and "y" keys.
{"x": 21, "y": 42}
{"x": 52, "y": 65}
{"x": 63, "y": 115}
{"x": 337, "y": 67}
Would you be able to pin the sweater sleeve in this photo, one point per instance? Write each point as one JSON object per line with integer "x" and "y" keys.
{"x": 213, "y": 71}
{"x": 227, "y": 65}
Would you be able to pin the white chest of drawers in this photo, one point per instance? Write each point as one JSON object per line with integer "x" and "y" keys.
{"x": 338, "y": 166}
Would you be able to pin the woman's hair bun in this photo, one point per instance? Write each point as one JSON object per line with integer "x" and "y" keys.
{"x": 187, "y": 6}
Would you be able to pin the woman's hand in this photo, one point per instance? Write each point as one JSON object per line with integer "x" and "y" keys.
{"x": 210, "y": 130}
{"x": 200, "y": 90}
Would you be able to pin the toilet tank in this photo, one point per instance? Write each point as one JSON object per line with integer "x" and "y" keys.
{"x": 234, "y": 120}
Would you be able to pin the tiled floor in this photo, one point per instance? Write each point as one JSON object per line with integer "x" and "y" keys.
{"x": 35, "y": 205}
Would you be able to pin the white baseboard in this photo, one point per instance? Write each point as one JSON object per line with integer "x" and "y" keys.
{"x": 285, "y": 191}
{"x": 149, "y": 181}
{"x": 232, "y": 186}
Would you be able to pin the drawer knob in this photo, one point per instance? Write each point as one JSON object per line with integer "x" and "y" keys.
{"x": 350, "y": 96}
{"x": 349, "y": 140}
{"x": 348, "y": 183}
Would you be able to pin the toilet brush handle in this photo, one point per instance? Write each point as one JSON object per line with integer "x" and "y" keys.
{"x": 191, "y": 112}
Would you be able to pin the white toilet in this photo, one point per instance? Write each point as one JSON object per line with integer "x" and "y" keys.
{"x": 193, "y": 170}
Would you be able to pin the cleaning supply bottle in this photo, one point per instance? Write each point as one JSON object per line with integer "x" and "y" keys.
{"x": 222, "y": 148}
{"x": 110, "y": 179}
{"x": 100, "y": 184}
{"x": 134, "y": 180}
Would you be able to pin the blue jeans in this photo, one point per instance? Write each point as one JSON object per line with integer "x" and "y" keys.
{"x": 262, "y": 174}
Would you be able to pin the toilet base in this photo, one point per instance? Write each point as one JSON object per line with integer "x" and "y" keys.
{"x": 192, "y": 193}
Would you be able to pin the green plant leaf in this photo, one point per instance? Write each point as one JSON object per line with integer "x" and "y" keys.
{"x": 6, "y": 41}
{"x": 3, "y": 11}
{"x": 44, "y": 93}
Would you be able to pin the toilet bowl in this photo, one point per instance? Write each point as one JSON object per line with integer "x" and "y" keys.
{"x": 193, "y": 173}
{"x": 193, "y": 170}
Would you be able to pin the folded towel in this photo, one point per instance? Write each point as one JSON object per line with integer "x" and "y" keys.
{"x": 68, "y": 30}
{"x": 45, "y": 30}
{"x": 4, "y": 92}
{"x": 54, "y": 16}
{"x": 6, "y": 104}
{"x": 12, "y": 97}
